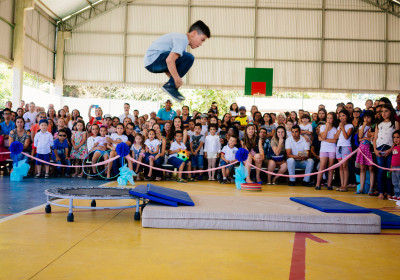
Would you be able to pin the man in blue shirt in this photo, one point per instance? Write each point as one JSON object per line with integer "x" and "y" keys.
{"x": 167, "y": 55}
{"x": 7, "y": 125}
{"x": 166, "y": 114}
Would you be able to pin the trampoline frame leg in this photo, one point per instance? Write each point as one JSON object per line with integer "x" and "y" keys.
{"x": 47, "y": 209}
{"x": 70, "y": 217}
{"x": 137, "y": 213}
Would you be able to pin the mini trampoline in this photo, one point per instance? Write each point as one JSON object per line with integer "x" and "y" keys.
{"x": 92, "y": 193}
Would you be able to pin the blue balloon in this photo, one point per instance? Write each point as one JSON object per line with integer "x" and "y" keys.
{"x": 16, "y": 147}
{"x": 242, "y": 155}
{"x": 122, "y": 149}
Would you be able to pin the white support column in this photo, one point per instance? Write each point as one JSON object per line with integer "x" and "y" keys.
{"x": 59, "y": 75}
{"x": 21, "y": 6}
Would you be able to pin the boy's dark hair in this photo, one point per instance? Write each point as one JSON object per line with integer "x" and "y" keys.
{"x": 289, "y": 120}
{"x": 115, "y": 118}
{"x": 130, "y": 124}
{"x": 201, "y": 28}
{"x": 103, "y": 126}
{"x": 121, "y": 125}
{"x": 178, "y": 132}
{"x": 127, "y": 104}
{"x": 296, "y": 127}
{"x": 223, "y": 126}
{"x": 151, "y": 130}
{"x": 199, "y": 125}
{"x": 191, "y": 120}
{"x": 62, "y": 130}
{"x": 273, "y": 114}
{"x": 6, "y": 110}
{"x": 213, "y": 125}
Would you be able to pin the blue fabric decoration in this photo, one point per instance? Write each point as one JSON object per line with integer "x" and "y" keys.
{"x": 122, "y": 149}
{"x": 242, "y": 155}
{"x": 125, "y": 175}
{"x": 16, "y": 147}
{"x": 20, "y": 170}
{"x": 240, "y": 174}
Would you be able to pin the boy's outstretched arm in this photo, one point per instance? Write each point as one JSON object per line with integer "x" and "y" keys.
{"x": 172, "y": 57}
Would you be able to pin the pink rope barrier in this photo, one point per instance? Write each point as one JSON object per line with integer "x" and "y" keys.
{"x": 183, "y": 172}
{"x": 71, "y": 166}
{"x": 217, "y": 168}
{"x": 374, "y": 164}
{"x": 309, "y": 174}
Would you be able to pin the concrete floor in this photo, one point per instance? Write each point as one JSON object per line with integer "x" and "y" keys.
{"x": 109, "y": 244}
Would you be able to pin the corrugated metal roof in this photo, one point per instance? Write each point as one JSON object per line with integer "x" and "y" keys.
{"x": 60, "y": 9}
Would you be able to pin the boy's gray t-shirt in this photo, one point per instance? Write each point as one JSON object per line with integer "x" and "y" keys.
{"x": 171, "y": 42}
{"x": 196, "y": 139}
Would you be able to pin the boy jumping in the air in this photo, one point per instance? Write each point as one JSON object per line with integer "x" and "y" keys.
{"x": 167, "y": 55}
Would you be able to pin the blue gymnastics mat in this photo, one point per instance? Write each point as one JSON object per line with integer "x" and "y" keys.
{"x": 170, "y": 194}
{"x": 388, "y": 220}
{"x": 142, "y": 191}
{"x": 329, "y": 205}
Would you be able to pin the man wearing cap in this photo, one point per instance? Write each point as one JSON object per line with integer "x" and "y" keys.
{"x": 165, "y": 114}
{"x": 242, "y": 118}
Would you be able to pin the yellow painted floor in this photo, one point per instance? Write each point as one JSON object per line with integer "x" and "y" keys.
{"x": 109, "y": 244}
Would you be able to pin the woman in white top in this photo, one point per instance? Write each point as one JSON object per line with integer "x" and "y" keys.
{"x": 383, "y": 145}
{"x": 343, "y": 148}
{"x": 327, "y": 151}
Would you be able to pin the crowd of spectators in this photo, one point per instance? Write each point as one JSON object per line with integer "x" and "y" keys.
{"x": 290, "y": 142}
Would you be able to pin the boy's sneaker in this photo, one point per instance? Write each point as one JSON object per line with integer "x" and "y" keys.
{"x": 173, "y": 92}
{"x": 223, "y": 181}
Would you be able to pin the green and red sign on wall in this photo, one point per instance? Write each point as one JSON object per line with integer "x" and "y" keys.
{"x": 258, "y": 81}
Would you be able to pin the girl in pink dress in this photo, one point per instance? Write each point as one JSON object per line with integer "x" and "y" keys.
{"x": 364, "y": 138}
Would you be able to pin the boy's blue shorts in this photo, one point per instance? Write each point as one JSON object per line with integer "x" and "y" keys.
{"x": 176, "y": 162}
{"x": 102, "y": 153}
{"x": 197, "y": 161}
{"x": 231, "y": 167}
{"x": 45, "y": 157}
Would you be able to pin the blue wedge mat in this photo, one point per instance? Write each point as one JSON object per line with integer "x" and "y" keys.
{"x": 141, "y": 191}
{"x": 170, "y": 194}
{"x": 388, "y": 220}
{"x": 330, "y": 205}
